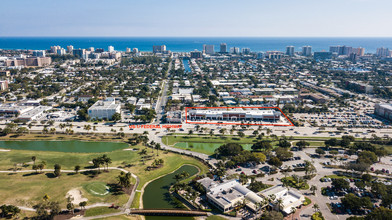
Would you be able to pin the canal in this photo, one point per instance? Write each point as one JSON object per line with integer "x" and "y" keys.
{"x": 186, "y": 65}
{"x": 156, "y": 194}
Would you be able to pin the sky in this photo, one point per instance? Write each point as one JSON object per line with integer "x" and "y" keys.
{"x": 209, "y": 18}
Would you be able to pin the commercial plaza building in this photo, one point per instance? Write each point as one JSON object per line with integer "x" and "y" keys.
{"x": 226, "y": 195}
{"x": 384, "y": 110}
{"x": 234, "y": 114}
{"x": 288, "y": 197}
{"x": 104, "y": 109}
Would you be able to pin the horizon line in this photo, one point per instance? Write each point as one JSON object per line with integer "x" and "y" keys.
{"x": 209, "y": 36}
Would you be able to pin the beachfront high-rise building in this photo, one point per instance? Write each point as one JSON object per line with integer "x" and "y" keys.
{"x": 70, "y": 48}
{"x": 135, "y": 50}
{"x": 235, "y": 50}
{"x": 208, "y": 49}
{"x": 290, "y": 51}
{"x": 79, "y": 52}
{"x": 128, "y": 50}
{"x": 383, "y": 52}
{"x": 359, "y": 51}
{"x": 196, "y": 54}
{"x": 246, "y": 50}
{"x": 53, "y": 49}
{"x": 341, "y": 50}
{"x": 61, "y": 51}
{"x": 158, "y": 48}
{"x": 110, "y": 49}
{"x": 306, "y": 51}
{"x": 223, "y": 48}
{"x": 39, "y": 53}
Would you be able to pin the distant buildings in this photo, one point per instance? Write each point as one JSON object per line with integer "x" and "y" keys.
{"x": 70, "y": 48}
{"x": 246, "y": 51}
{"x": 383, "y": 52}
{"x": 342, "y": 50}
{"x": 290, "y": 51}
{"x": 307, "y": 51}
{"x": 384, "y": 110}
{"x": 29, "y": 61}
{"x": 208, "y": 49}
{"x": 3, "y": 85}
{"x": 39, "y": 53}
{"x": 196, "y": 54}
{"x": 359, "y": 51}
{"x": 53, "y": 49}
{"x": 235, "y": 50}
{"x": 274, "y": 55}
{"x": 158, "y": 48}
{"x": 223, "y": 48}
{"x": 110, "y": 49}
{"x": 322, "y": 55}
{"x": 104, "y": 109}
{"x": 359, "y": 87}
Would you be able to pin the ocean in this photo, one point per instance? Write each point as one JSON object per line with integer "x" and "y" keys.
{"x": 186, "y": 44}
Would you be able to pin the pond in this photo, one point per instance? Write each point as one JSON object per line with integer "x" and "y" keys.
{"x": 206, "y": 148}
{"x": 156, "y": 194}
{"x": 63, "y": 146}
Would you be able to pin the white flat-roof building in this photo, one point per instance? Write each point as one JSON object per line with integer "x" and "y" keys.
{"x": 34, "y": 114}
{"x": 226, "y": 195}
{"x": 290, "y": 198}
{"x": 234, "y": 114}
{"x": 14, "y": 109}
{"x": 104, "y": 109}
{"x": 384, "y": 110}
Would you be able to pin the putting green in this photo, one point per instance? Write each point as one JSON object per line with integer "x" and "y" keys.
{"x": 96, "y": 188}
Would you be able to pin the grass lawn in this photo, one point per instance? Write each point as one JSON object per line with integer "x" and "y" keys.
{"x": 172, "y": 139}
{"x": 313, "y": 143}
{"x": 99, "y": 211}
{"x": 27, "y": 189}
{"x": 136, "y": 201}
{"x": 123, "y": 217}
{"x": 84, "y": 137}
{"x": 172, "y": 162}
{"x": 215, "y": 217}
{"x": 338, "y": 177}
{"x": 294, "y": 184}
{"x": 307, "y": 201}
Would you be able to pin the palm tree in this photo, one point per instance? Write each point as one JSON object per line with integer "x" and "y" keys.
{"x": 316, "y": 207}
{"x": 293, "y": 210}
{"x": 29, "y": 126}
{"x": 83, "y": 205}
{"x": 313, "y": 188}
{"x": 77, "y": 168}
{"x": 158, "y": 147}
{"x": 279, "y": 202}
{"x": 46, "y": 197}
{"x": 53, "y": 130}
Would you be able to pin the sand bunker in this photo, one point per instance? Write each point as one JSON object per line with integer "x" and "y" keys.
{"x": 76, "y": 194}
